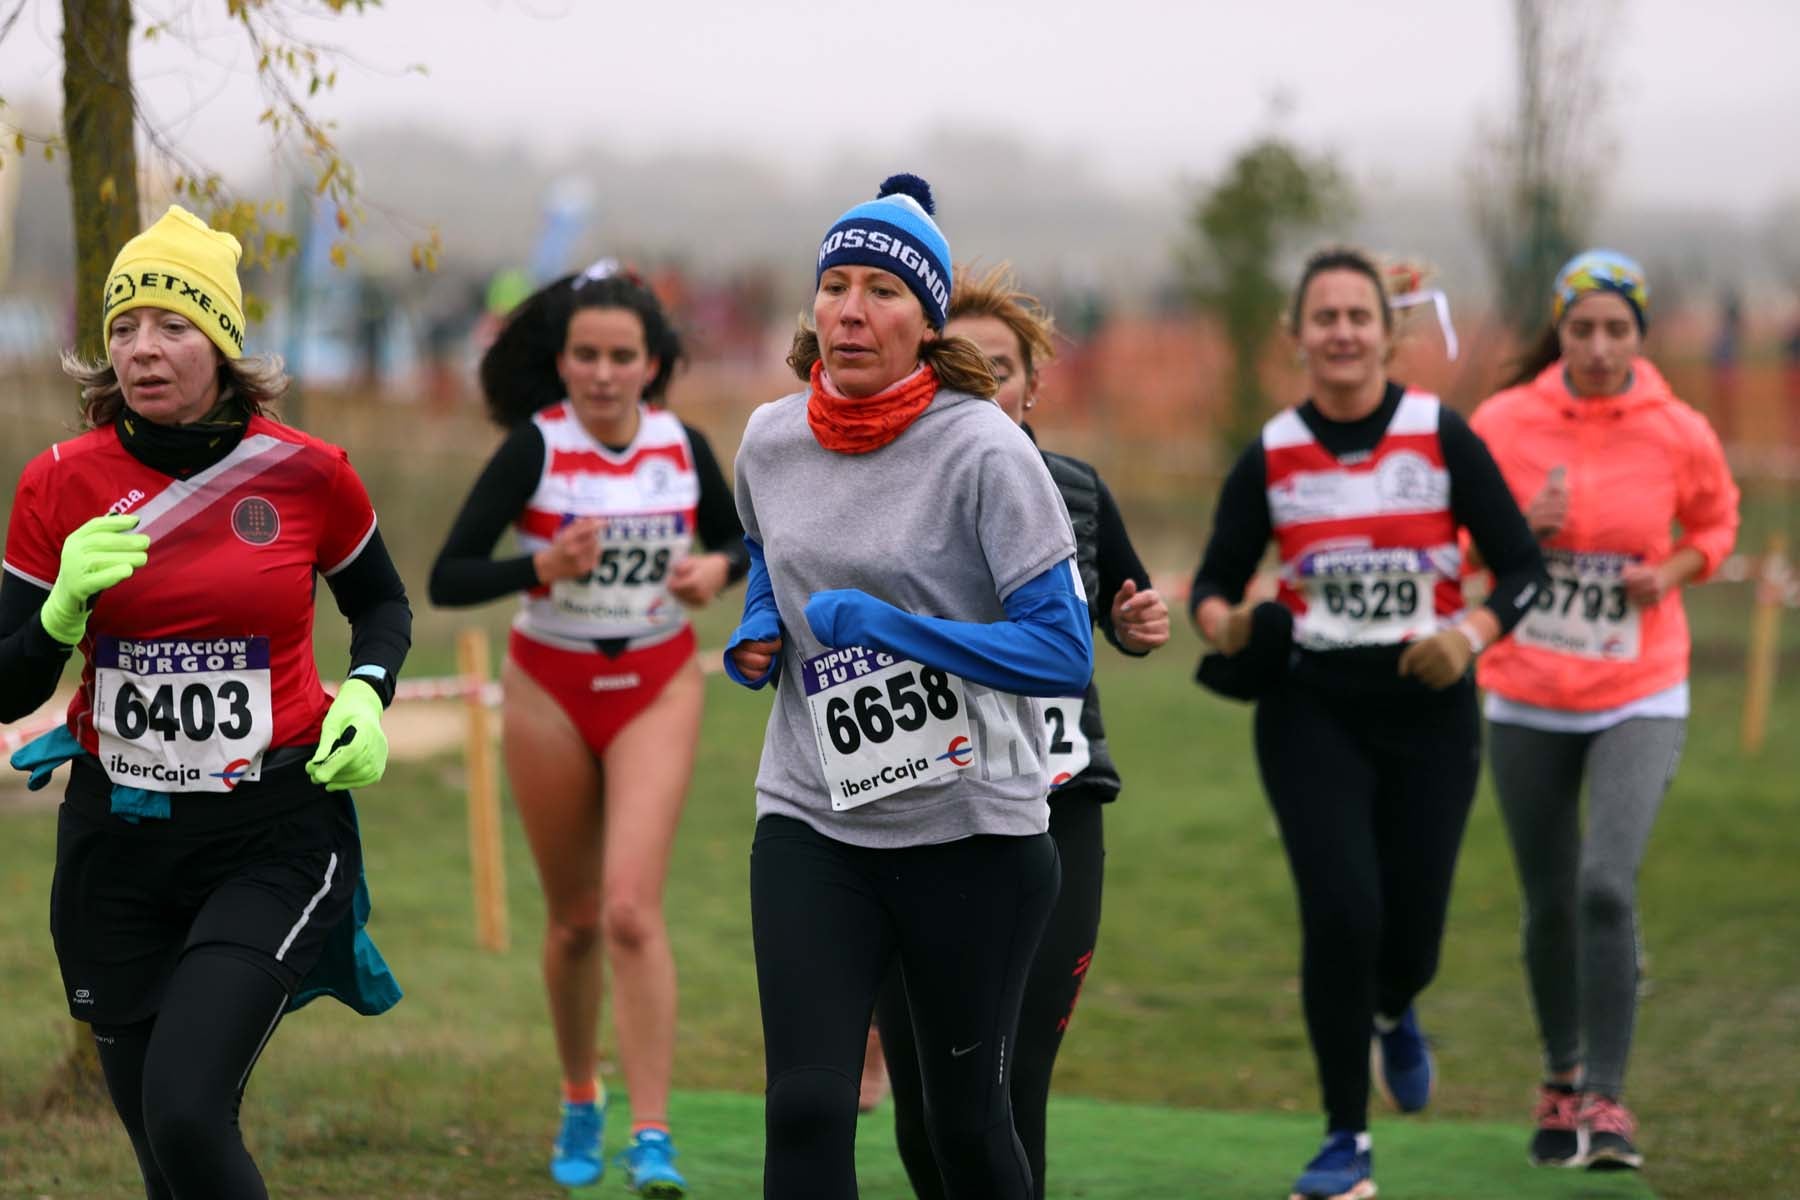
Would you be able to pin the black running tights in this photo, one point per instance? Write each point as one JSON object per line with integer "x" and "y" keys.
{"x": 1050, "y": 995}
{"x": 1371, "y": 799}
{"x": 963, "y": 918}
{"x": 177, "y": 1079}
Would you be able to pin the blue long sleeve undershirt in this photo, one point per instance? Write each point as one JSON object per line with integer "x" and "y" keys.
{"x": 1045, "y": 646}
{"x": 761, "y": 621}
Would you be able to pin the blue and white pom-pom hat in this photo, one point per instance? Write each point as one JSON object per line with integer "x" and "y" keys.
{"x": 895, "y": 232}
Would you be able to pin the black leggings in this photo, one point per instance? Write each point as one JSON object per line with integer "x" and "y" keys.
{"x": 963, "y": 919}
{"x": 1051, "y": 991}
{"x": 178, "y": 1078}
{"x": 1372, "y": 799}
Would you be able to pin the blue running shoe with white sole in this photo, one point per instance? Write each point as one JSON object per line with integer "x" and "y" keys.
{"x": 649, "y": 1164}
{"x": 1343, "y": 1169}
{"x": 1401, "y": 1065}
{"x": 575, "y": 1159}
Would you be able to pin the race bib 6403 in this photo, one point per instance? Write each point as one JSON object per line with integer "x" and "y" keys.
{"x": 182, "y": 715}
{"x": 884, "y": 724}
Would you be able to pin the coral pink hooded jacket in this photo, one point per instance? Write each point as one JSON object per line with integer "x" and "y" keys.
{"x": 1636, "y": 464}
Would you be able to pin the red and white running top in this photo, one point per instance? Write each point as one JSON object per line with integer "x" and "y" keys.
{"x": 1368, "y": 545}
{"x": 203, "y": 659}
{"x": 648, "y": 493}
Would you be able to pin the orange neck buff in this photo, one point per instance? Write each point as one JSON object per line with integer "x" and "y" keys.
{"x": 853, "y": 426}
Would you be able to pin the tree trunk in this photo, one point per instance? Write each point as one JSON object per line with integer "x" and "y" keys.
{"x": 98, "y": 126}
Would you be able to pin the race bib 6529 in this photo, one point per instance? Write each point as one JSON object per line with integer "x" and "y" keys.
{"x": 1366, "y": 597}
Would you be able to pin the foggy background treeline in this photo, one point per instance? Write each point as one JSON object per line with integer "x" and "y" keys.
{"x": 1000, "y": 197}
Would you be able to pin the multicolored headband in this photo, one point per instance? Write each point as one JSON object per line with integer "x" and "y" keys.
{"x": 1597, "y": 271}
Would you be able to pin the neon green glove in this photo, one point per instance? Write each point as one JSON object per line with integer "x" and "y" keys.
{"x": 352, "y": 750}
{"x": 95, "y": 557}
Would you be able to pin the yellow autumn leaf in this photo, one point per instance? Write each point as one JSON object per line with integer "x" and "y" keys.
{"x": 109, "y": 191}
{"x": 338, "y": 255}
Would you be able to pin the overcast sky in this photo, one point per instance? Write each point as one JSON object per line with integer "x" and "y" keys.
{"x": 1704, "y": 112}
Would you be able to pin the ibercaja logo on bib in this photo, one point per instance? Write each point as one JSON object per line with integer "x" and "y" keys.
{"x": 232, "y": 772}
{"x": 884, "y": 724}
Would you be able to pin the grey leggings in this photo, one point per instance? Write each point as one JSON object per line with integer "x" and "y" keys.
{"x": 1580, "y": 926}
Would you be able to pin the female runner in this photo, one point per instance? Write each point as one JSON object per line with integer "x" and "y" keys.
{"x": 1015, "y": 333}
{"x": 1366, "y": 730}
{"x": 602, "y": 712}
{"x": 913, "y": 587}
{"x": 1593, "y": 683}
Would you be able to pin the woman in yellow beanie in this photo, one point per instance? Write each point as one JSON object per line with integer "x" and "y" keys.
{"x": 209, "y": 870}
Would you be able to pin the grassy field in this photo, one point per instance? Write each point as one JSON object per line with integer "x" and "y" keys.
{"x": 1192, "y": 1006}
{"x": 1188, "y": 1055}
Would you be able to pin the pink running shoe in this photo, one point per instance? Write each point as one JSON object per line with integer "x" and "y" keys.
{"x": 1559, "y": 1137}
{"x": 1610, "y": 1127}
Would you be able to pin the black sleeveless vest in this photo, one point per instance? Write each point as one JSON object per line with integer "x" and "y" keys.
{"x": 1080, "y": 488}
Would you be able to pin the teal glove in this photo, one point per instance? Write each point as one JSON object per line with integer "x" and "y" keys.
{"x": 95, "y": 557}
{"x": 352, "y": 750}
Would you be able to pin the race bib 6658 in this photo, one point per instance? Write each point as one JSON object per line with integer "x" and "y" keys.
{"x": 884, "y": 724}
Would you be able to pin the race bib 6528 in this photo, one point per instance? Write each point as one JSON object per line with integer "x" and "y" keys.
{"x": 182, "y": 715}
{"x": 884, "y": 724}
{"x": 628, "y": 587}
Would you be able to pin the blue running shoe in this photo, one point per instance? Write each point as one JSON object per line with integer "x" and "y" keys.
{"x": 1400, "y": 1063}
{"x": 1342, "y": 1170}
{"x": 575, "y": 1159}
{"x": 649, "y": 1163}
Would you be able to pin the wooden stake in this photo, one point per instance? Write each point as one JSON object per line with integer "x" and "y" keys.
{"x": 486, "y": 849}
{"x": 1765, "y": 643}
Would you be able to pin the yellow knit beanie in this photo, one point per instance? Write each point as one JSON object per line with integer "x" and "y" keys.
{"x": 181, "y": 264}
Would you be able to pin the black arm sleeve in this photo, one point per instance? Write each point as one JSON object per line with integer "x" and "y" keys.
{"x": 1240, "y": 534}
{"x": 1118, "y": 561}
{"x": 720, "y": 530}
{"x": 369, "y": 593}
{"x": 466, "y": 572}
{"x": 31, "y": 661}
{"x": 1483, "y": 504}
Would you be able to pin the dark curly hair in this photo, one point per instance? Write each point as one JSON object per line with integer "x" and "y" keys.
{"x": 518, "y": 372}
